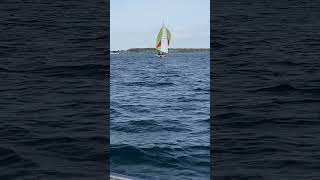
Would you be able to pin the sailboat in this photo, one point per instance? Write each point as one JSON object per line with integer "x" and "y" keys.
{"x": 163, "y": 41}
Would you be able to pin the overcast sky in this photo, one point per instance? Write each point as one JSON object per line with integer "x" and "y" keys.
{"x": 136, "y": 23}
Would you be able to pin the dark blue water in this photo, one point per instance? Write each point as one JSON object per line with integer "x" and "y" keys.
{"x": 53, "y": 94}
{"x": 265, "y": 90}
{"x": 160, "y": 115}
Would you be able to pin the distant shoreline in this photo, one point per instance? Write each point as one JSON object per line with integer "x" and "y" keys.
{"x": 170, "y": 50}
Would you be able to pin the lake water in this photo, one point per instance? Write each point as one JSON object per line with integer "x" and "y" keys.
{"x": 160, "y": 115}
{"x": 265, "y": 79}
{"x": 53, "y": 94}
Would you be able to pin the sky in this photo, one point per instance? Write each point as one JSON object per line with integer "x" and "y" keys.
{"x": 136, "y": 23}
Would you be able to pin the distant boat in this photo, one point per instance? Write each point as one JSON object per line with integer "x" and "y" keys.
{"x": 114, "y": 176}
{"x": 163, "y": 41}
{"x": 117, "y": 177}
{"x": 114, "y": 52}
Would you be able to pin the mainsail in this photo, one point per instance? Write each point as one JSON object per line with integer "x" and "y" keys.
{"x": 163, "y": 39}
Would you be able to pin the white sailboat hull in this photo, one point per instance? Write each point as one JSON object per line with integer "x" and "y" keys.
{"x": 164, "y": 45}
{"x": 161, "y": 56}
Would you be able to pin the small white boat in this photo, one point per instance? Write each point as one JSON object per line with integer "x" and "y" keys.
{"x": 163, "y": 41}
{"x": 114, "y": 176}
{"x": 114, "y": 52}
{"x": 119, "y": 178}
{"x": 161, "y": 55}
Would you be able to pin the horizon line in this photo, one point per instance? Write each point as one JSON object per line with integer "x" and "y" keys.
{"x": 155, "y": 48}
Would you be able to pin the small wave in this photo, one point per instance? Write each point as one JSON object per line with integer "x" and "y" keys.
{"x": 164, "y": 84}
{"x": 149, "y": 84}
{"x": 237, "y": 177}
{"x": 202, "y": 89}
{"x": 4, "y": 70}
{"x": 9, "y": 157}
{"x": 134, "y": 108}
{"x": 185, "y": 99}
{"x": 74, "y": 149}
{"x": 79, "y": 70}
{"x": 302, "y": 101}
{"x": 311, "y": 41}
{"x": 159, "y": 156}
{"x": 288, "y": 63}
{"x": 49, "y": 141}
{"x": 207, "y": 120}
{"x": 143, "y": 126}
{"x": 315, "y": 91}
{"x": 278, "y": 88}
{"x": 14, "y": 132}
{"x": 143, "y": 123}
{"x": 137, "y": 126}
{"x": 228, "y": 115}
{"x": 7, "y": 70}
